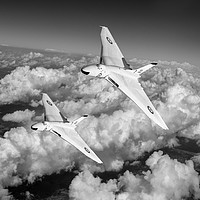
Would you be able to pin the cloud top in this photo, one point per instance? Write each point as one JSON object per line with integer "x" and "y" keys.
{"x": 117, "y": 130}
{"x": 166, "y": 179}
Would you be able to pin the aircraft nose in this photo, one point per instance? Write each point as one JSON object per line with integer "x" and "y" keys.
{"x": 83, "y": 71}
{"x": 33, "y": 127}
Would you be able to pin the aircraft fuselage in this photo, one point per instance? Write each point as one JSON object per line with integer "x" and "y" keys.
{"x": 48, "y": 126}
{"x": 103, "y": 71}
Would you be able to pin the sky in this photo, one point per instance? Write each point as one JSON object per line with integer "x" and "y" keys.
{"x": 155, "y": 29}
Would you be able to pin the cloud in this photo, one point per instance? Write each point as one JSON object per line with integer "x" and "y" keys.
{"x": 176, "y": 181}
{"x": 23, "y": 83}
{"x": 34, "y": 103}
{"x": 117, "y": 130}
{"x": 31, "y": 55}
{"x": 19, "y": 116}
{"x": 86, "y": 186}
{"x": 166, "y": 179}
{"x": 125, "y": 125}
{"x": 116, "y": 121}
{"x": 26, "y": 155}
{"x": 117, "y": 165}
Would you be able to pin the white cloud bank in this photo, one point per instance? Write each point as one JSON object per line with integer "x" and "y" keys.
{"x": 117, "y": 130}
{"x": 24, "y": 83}
{"x": 167, "y": 179}
{"x": 26, "y": 155}
{"x": 19, "y": 116}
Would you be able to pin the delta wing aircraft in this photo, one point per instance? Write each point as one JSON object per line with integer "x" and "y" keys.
{"x": 114, "y": 68}
{"x": 57, "y": 124}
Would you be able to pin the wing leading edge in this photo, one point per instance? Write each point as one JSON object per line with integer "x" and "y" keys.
{"x": 75, "y": 139}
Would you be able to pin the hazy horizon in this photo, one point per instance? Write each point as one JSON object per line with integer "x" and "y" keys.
{"x": 152, "y": 30}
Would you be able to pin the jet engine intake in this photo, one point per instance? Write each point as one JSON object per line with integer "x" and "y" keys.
{"x": 39, "y": 126}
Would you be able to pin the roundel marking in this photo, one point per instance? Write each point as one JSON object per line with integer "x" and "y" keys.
{"x": 109, "y": 40}
{"x": 150, "y": 109}
{"x": 49, "y": 103}
{"x": 86, "y": 149}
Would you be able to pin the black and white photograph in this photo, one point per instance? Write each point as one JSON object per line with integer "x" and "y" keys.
{"x": 100, "y": 100}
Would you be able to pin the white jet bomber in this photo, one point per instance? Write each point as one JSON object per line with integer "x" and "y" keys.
{"x": 57, "y": 124}
{"x": 114, "y": 68}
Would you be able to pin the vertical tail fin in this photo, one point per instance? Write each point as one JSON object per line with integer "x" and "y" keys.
{"x": 51, "y": 112}
{"x": 110, "y": 53}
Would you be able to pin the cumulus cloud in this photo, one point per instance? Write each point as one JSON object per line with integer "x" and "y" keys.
{"x": 26, "y": 155}
{"x": 166, "y": 179}
{"x": 32, "y": 55}
{"x": 34, "y": 103}
{"x": 23, "y": 83}
{"x": 117, "y": 130}
{"x": 173, "y": 92}
{"x": 86, "y": 186}
{"x": 123, "y": 124}
{"x": 19, "y": 116}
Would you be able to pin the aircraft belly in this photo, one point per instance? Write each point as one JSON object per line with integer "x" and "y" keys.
{"x": 72, "y": 137}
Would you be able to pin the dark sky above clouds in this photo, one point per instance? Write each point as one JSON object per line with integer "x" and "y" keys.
{"x": 155, "y": 29}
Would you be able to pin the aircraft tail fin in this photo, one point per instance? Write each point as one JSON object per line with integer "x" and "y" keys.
{"x": 77, "y": 121}
{"x": 51, "y": 112}
{"x": 110, "y": 52}
{"x": 145, "y": 68}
